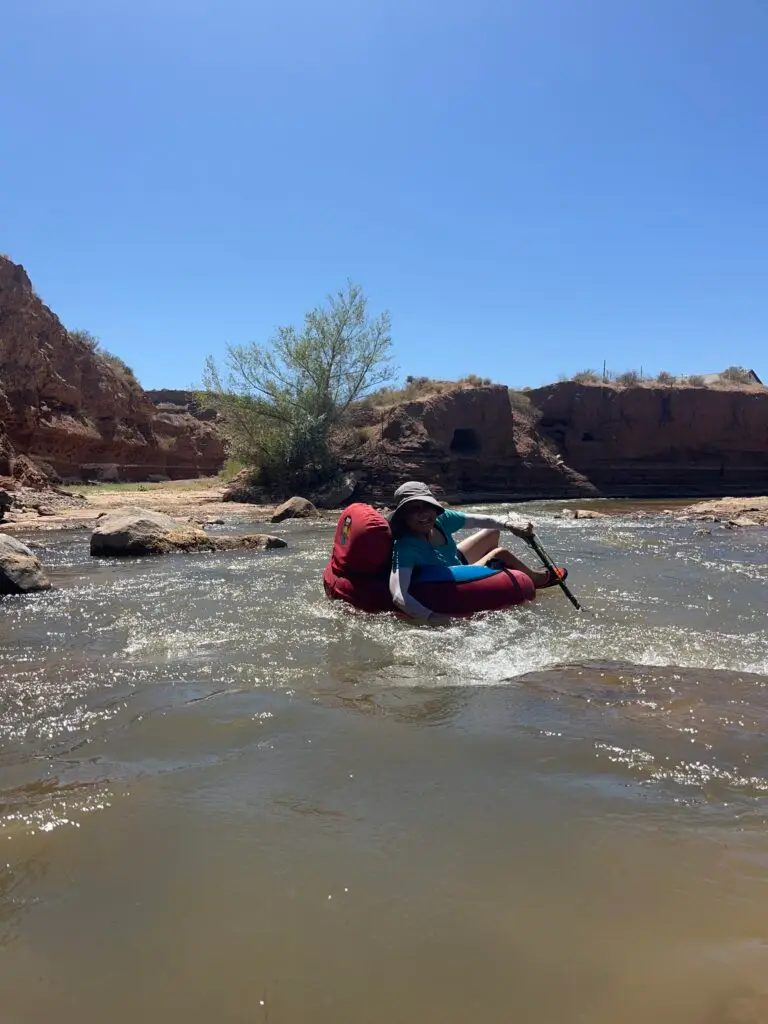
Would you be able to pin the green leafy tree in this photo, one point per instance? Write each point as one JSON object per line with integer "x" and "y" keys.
{"x": 279, "y": 403}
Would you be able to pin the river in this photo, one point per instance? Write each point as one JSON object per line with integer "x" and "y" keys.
{"x": 226, "y": 799}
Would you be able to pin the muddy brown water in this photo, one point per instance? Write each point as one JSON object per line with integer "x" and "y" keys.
{"x": 224, "y": 799}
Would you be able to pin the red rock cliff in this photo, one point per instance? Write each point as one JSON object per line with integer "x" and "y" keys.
{"x": 466, "y": 442}
{"x": 65, "y": 405}
{"x": 647, "y": 440}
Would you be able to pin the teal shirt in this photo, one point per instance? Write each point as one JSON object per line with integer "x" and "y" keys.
{"x": 411, "y": 551}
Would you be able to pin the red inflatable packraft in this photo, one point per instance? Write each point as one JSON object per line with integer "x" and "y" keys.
{"x": 361, "y": 561}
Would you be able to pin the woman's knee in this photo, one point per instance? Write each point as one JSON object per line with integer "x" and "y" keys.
{"x": 479, "y": 544}
{"x": 487, "y": 538}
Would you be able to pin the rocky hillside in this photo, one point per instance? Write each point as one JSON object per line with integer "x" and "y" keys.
{"x": 78, "y": 414}
{"x": 660, "y": 440}
{"x": 564, "y": 440}
{"x": 465, "y": 441}
{"x": 75, "y": 412}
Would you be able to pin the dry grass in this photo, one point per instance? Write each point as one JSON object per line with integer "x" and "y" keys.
{"x": 205, "y": 483}
{"x": 120, "y": 368}
{"x": 420, "y": 387}
{"x": 632, "y": 378}
{"x": 414, "y": 387}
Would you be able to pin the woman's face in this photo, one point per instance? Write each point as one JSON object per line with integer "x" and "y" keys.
{"x": 420, "y": 518}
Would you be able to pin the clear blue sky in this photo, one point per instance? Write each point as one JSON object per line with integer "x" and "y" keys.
{"x": 528, "y": 187}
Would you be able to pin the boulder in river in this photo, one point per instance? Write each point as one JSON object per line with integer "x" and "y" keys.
{"x": 294, "y": 508}
{"x": 249, "y": 541}
{"x": 138, "y": 531}
{"x": 20, "y": 570}
{"x": 582, "y": 513}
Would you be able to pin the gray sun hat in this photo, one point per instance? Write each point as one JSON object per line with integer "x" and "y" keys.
{"x": 411, "y": 492}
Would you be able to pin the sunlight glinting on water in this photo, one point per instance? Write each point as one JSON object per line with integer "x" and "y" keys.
{"x": 118, "y": 644}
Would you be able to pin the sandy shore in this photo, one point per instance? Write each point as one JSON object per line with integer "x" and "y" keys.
{"x": 199, "y": 501}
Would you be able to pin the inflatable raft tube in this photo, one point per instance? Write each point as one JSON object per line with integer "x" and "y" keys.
{"x": 358, "y": 573}
{"x": 462, "y": 591}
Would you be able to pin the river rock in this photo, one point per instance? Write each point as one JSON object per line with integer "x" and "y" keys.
{"x": 242, "y": 488}
{"x": 337, "y": 494}
{"x": 20, "y": 570}
{"x": 249, "y": 541}
{"x": 6, "y": 500}
{"x": 294, "y": 508}
{"x": 741, "y": 511}
{"x": 138, "y": 531}
{"x": 581, "y": 513}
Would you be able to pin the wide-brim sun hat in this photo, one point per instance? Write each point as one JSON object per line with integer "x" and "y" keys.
{"x": 412, "y": 493}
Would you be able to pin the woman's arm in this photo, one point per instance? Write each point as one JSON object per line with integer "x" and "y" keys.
{"x": 518, "y": 526}
{"x": 399, "y": 584}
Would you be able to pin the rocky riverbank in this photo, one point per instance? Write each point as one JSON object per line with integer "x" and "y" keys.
{"x": 202, "y": 503}
{"x": 734, "y": 511}
{"x": 129, "y": 530}
{"x": 198, "y": 501}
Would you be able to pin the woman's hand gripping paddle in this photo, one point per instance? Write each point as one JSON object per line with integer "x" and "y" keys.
{"x": 533, "y": 540}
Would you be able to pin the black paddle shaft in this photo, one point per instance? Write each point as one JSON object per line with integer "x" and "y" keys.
{"x": 533, "y": 540}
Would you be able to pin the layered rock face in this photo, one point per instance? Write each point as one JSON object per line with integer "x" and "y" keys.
{"x": 68, "y": 408}
{"x": 6, "y": 448}
{"x": 77, "y": 414}
{"x": 465, "y": 442}
{"x": 642, "y": 441}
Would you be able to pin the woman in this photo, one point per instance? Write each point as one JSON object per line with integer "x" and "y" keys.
{"x": 423, "y": 532}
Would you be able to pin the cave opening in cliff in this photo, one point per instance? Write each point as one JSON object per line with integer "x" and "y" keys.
{"x": 465, "y": 441}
